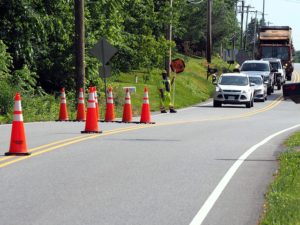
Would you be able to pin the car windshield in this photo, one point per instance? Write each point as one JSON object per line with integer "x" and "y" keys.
{"x": 255, "y": 67}
{"x": 233, "y": 80}
{"x": 256, "y": 80}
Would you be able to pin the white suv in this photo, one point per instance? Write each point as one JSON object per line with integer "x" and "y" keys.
{"x": 234, "y": 88}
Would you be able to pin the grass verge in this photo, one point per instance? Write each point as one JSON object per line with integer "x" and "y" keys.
{"x": 192, "y": 87}
{"x": 283, "y": 197}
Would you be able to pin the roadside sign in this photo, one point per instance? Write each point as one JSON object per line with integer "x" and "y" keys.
{"x": 177, "y": 65}
{"x": 292, "y": 91}
{"x": 130, "y": 89}
{"x": 103, "y": 51}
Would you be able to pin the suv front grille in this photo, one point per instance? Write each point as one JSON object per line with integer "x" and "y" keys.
{"x": 236, "y": 97}
{"x": 235, "y": 91}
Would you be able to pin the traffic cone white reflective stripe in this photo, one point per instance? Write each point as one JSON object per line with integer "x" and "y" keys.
{"x": 81, "y": 99}
{"x": 110, "y": 97}
{"x": 146, "y": 98}
{"x": 91, "y": 101}
{"x": 127, "y": 98}
{"x": 63, "y": 98}
{"x": 18, "y": 116}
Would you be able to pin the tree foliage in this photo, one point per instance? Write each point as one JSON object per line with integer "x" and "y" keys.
{"x": 39, "y": 35}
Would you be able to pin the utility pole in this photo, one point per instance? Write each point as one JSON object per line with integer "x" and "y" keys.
{"x": 263, "y": 15}
{"x": 254, "y": 36}
{"x": 209, "y": 38}
{"x": 79, "y": 44}
{"x": 246, "y": 29}
{"x": 242, "y": 23}
{"x": 168, "y": 58}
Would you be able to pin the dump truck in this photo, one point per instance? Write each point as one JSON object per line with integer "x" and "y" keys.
{"x": 276, "y": 42}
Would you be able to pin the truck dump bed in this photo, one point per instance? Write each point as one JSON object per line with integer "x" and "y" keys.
{"x": 275, "y": 33}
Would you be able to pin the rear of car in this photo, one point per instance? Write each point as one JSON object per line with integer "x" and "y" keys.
{"x": 233, "y": 88}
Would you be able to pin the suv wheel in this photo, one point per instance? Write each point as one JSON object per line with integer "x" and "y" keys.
{"x": 217, "y": 104}
{"x": 252, "y": 102}
{"x": 248, "y": 104}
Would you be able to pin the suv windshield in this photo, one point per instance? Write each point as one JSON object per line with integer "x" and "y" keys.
{"x": 256, "y": 80}
{"x": 233, "y": 80}
{"x": 255, "y": 67}
{"x": 275, "y": 65}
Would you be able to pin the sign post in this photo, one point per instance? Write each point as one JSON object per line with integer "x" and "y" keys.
{"x": 104, "y": 51}
{"x": 177, "y": 66}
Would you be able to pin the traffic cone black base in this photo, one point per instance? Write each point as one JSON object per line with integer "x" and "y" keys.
{"x": 91, "y": 132}
{"x": 146, "y": 122}
{"x": 17, "y": 154}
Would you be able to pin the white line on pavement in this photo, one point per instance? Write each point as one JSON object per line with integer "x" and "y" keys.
{"x": 209, "y": 203}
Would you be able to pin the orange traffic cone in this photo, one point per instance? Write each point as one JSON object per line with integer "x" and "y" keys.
{"x": 145, "y": 115}
{"x": 110, "y": 107}
{"x": 63, "y": 112}
{"x": 127, "y": 111}
{"x": 91, "y": 123}
{"x": 18, "y": 140}
{"x": 96, "y": 102}
{"x": 80, "y": 107}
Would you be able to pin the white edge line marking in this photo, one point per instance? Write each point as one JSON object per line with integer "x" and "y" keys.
{"x": 209, "y": 203}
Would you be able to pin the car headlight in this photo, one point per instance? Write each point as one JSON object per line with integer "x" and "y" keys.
{"x": 218, "y": 89}
{"x": 244, "y": 92}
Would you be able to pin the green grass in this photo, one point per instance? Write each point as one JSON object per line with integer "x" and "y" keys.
{"x": 283, "y": 197}
{"x": 192, "y": 87}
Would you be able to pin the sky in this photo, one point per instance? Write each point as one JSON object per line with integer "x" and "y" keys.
{"x": 280, "y": 13}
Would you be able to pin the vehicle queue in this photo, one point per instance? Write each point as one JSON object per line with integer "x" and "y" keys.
{"x": 253, "y": 81}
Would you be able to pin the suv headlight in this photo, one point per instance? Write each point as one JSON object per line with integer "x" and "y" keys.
{"x": 218, "y": 89}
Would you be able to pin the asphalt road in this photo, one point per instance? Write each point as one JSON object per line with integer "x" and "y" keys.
{"x": 203, "y": 165}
